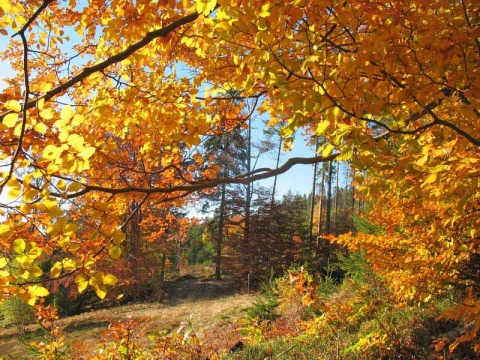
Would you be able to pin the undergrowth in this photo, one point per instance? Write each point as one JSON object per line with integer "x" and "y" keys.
{"x": 297, "y": 316}
{"x": 358, "y": 318}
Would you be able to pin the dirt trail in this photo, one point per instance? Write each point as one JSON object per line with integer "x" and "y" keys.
{"x": 209, "y": 303}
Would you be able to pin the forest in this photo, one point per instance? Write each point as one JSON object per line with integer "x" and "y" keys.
{"x": 131, "y": 133}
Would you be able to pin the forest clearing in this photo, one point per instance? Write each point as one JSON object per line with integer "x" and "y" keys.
{"x": 213, "y": 308}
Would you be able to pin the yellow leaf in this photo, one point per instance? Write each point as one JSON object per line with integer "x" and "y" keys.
{"x": 31, "y": 300}
{"x": 37, "y": 290}
{"x": 30, "y": 195}
{"x": 3, "y": 262}
{"x": 110, "y": 280}
{"x": 5, "y": 230}
{"x": 262, "y": 24}
{"x": 115, "y": 251}
{"x": 299, "y": 3}
{"x": 82, "y": 282}
{"x": 56, "y": 270}
{"x": 24, "y": 274}
{"x": 40, "y": 128}
{"x": 205, "y": 7}
{"x": 431, "y": 179}
{"x": 51, "y": 152}
{"x": 322, "y": 127}
{"x": 118, "y": 236}
{"x": 41, "y": 103}
{"x": 14, "y": 193}
{"x": 67, "y": 113}
{"x": 327, "y": 150}
{"x": 69, "y": 265}
{"x": 345, "y": 155}
{"x": 19, "y": 246}
{"x": 13, "y": 105}
{"x": 34, "y": 251}
{"x": 100, "y": 290}
{"x": 87, "y": 152}
{"x": 265, "y": 10}
{"x": 74, "y": 187}
{"x": 287, "y": 144}
{"x": 61, "y": 185}
{"x": 46, "y": 114}
{"x": 24, "y": 260}
{"x": 10, "y": 120}
{"x": 35, "y": 271}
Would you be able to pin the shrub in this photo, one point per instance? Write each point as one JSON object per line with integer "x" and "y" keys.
{"x": 265, "y": 307}
{"x": 16, "y": 312}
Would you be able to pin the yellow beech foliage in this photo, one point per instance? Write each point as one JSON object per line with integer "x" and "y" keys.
{"x": 108, "y": 103}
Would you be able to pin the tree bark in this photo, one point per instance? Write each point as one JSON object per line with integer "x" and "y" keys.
{"x": 312, "y": 203}
{"x": 221, "y": 221}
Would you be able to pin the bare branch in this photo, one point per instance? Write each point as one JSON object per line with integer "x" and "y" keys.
{"x": 246, "y": 178}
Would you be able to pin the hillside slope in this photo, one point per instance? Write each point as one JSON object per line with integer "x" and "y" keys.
{"x": 211, "y": 305}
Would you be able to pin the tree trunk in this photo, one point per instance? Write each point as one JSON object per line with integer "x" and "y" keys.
{"x": 221, "y": 220}
{"x": 162, "y": 270}
{"x": 248, "y": 201}
{"x": 272, "y": 200}
{"x": 312, "y": 203}
{"x": 328, "y": 229}
{"x": 320, "y": 212}
{"x": 335, "y": 219}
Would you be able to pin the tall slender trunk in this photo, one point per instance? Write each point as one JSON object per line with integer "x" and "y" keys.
{"x": 312, "y": 203}
{"x": 248, "y": 200}
{"x": 328, "y": 229}
{"x": 221, "y": 220}
{"x": 272, "y": 200}
{"x": 335, "y": 219}
{"x": 320, "y": 212}
{"x": 162, "y": 267}
{"x": 320, "y": 207}
{"x": 164, "y": 259}
{"x": 353, "y": 201}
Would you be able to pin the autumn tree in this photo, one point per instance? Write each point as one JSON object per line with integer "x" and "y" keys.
{"x": 392, "y": 86}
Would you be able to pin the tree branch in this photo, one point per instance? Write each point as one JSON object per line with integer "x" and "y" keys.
{"x": 149, "y": 37}
{"x": 246, "y": 178}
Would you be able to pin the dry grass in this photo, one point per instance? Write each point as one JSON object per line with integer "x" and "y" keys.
{"x": 211, "y": 307}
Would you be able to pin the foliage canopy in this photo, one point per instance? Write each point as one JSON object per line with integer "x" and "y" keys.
{"x": 109, "y": 103}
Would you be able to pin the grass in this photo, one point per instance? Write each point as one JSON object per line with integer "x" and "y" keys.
{"x": 208, "y": 303}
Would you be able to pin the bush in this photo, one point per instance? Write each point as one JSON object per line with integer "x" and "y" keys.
{"x": 16, "y": 312}
{"x": 264, "y": 308}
